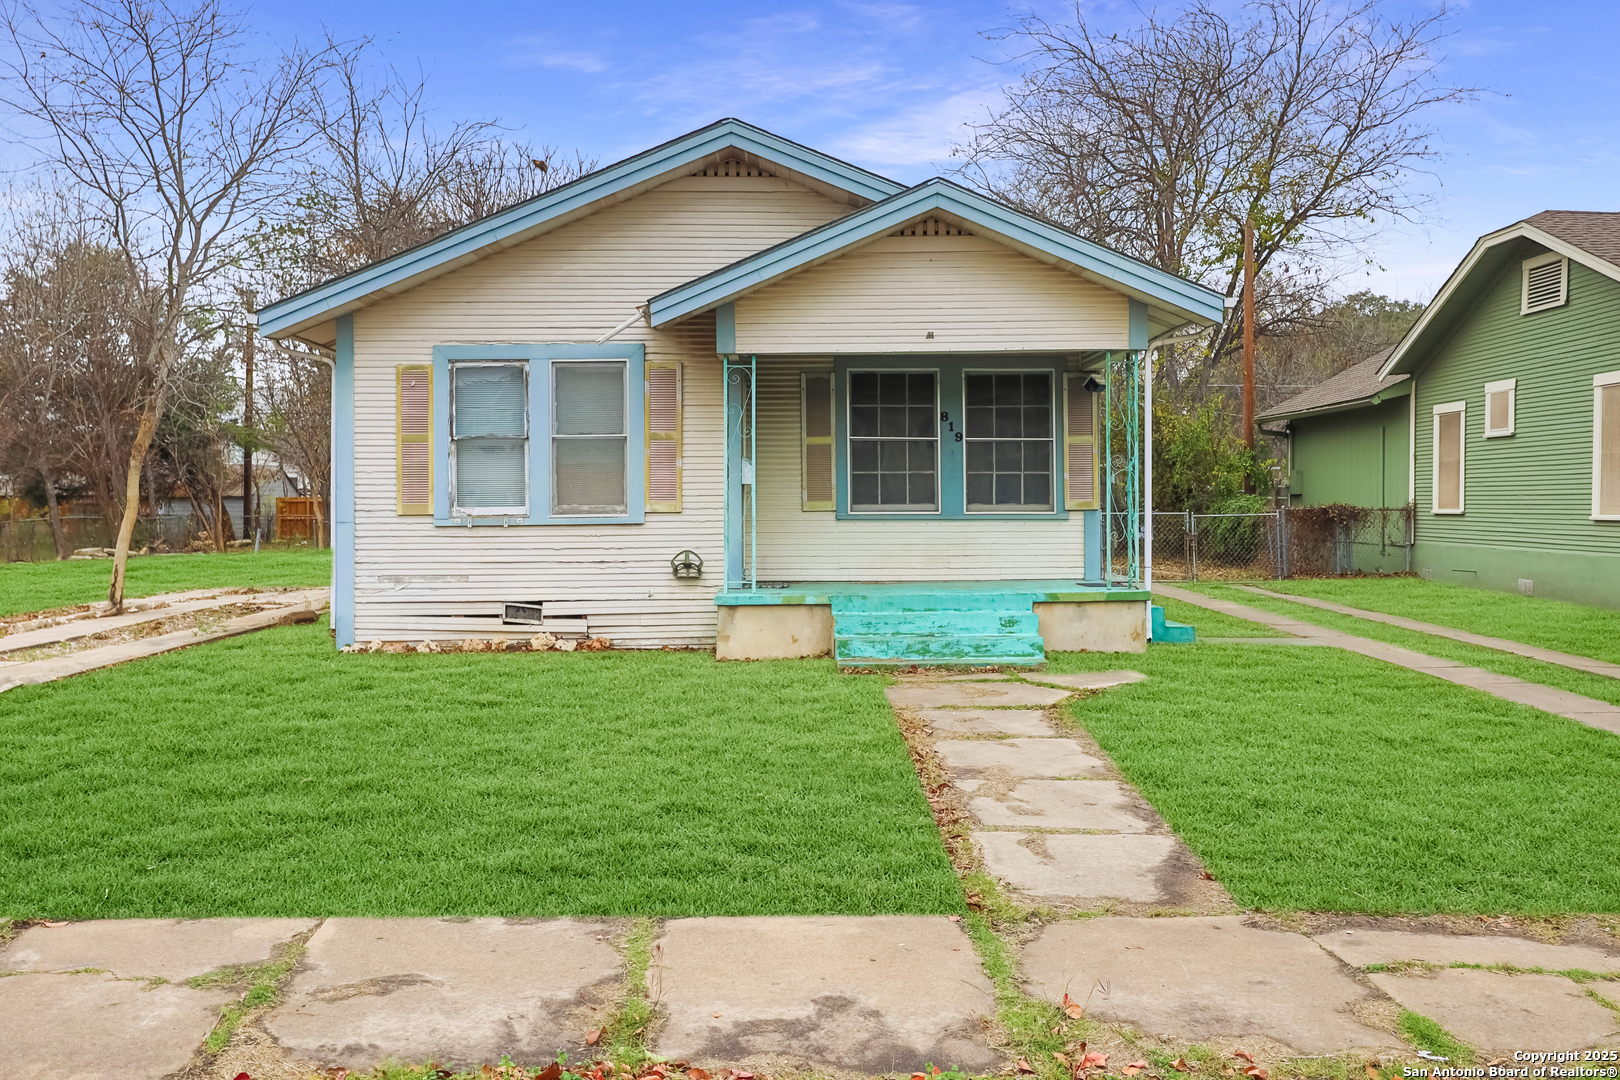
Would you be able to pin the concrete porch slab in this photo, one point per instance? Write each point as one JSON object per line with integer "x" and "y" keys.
{"x": 1493, "y": 1011}
{"x": 873, "y": 995}
{"x": 1193, "y": 979}
{"x": 1063, "y": 804}
{"x": 1359, "y": 948}
{"x": 100, "y": 1027}
{"x": 1029, "y": 759}
{"x": 1030, "y": 722}
{"x": 973, "y": 695}
{"x": 1082, "y": 866}
{"x": 172, "y": 949}
{"x": 461, "y": 991}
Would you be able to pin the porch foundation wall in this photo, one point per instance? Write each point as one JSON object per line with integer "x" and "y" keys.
{"x": 1117, "y": 626}
{"x": 774, "y": 632}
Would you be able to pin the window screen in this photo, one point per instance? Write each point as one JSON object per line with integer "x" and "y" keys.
{"x": 1009, "y": 442}
{"x": 1448, "y": 458}
{"x": 588, "y": 438}
{"x": 893, "y": 442}
{"x": 489, "y": 410}
{"x": 1608, "y": 455}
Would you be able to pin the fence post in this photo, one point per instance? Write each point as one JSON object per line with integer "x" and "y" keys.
{"x": 1192, "y": 540}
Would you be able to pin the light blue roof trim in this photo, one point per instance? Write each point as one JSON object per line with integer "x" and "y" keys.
{"x": 729, "y": 282}
{"x": 648, "y": 165}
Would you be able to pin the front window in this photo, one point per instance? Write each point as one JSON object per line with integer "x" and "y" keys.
{"x": 489, "y": 411}
{"x": 893, "y": 442}
{"x": 1008, "y": 442}
{"x": 589, "y": 438}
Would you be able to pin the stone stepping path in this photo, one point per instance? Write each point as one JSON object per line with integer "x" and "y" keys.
{"x": 286, "y": 606}
{"x": 1577, "y": 707}
{"x": 1534, "y": 652}
{"x": 969, "y": 695}
{"x": 149, "y": 609}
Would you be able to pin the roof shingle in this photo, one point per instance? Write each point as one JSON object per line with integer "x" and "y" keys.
{"x": 1356, "y": 383}
{"x": 1593, "y": 231}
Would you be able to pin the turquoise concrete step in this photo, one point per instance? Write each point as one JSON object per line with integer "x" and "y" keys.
{"x": 868, "y": 623}
{"x": 1166, "y": 632}
{"x": 965, "y": 600}
{"x": 940, "y": 648}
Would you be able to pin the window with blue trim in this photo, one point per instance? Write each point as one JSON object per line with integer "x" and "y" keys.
{"x": 1008, "y": 439}
{"x": 893, "y": 442}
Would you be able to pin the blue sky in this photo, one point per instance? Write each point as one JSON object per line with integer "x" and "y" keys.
{"x": 888, "y": 86}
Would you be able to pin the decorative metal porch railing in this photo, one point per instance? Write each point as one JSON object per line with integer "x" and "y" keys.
{"x": 740, "y": 518}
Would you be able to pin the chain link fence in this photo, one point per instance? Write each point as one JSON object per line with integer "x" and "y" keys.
{"x": 29, "y": 539}
{"x": 1314, "y": 541}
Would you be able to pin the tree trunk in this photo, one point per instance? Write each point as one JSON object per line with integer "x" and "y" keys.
{"x": 57, "y": 533}
{"x": 132, "y": 503}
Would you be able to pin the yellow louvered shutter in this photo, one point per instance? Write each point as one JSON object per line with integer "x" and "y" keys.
{"x": 664, "y": 437}
{"x": 816, "y": 424}
{"x": 414, "y": 425}
{"x": 1079, "y": 444}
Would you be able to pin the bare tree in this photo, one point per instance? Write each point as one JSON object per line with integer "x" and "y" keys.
{"x": 178, "y": 138}
{"x": 1306, "y": 116}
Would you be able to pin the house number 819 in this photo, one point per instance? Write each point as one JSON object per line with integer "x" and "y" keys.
{"x": 945, "y": 418}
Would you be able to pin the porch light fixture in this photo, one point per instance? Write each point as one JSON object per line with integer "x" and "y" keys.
{"x": 1092, "y": 385}
{"x": 687, "y": 564}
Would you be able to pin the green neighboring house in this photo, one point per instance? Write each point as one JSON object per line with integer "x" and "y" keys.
{"x": 1510, "y": 388}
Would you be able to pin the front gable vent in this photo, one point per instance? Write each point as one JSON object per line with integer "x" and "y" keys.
{"x": 931, "y": 227}
{"x": 1546, "y": 283}
{"x": 733, "y": 167}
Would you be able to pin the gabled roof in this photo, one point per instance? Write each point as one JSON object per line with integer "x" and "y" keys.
{"x": 527, "y": 220}
{"x": 1357, "y": 385}
{"x": 1591, "y": 238}
{"x": 1172, "y": 301}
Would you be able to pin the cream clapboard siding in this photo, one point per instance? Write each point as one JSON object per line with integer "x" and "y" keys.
{"x": 970, "y": 292}
{"x": 799, "y": 545}
{"x": 573, "y": 284}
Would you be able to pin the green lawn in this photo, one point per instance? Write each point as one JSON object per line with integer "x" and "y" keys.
{"x": 1551, "y": 624}
{"x": 1210, "y": 624}
{"x": 39, "y": 586}
{"x": 1601, "y": 687}
{"x": 1312, "y": 778}
{"x": 270, "y": 775}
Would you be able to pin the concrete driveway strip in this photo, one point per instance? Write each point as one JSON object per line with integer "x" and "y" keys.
{"x": 1577, "y": 707}
{"x": 1193, "y": 979}
{"x": 460, "y": 991}
{"x": 1534, "y": 652}
{"x": 874, "y": 995}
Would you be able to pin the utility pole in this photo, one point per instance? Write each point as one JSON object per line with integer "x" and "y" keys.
{"x": 250, "y": 516}
{"x": 1248, "y": 333}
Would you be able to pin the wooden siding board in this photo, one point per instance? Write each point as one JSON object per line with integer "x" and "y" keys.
{"x": 1357, "y": 457}
{"x": 1532, "y": 490}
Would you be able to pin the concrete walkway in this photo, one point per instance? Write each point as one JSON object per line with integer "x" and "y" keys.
{"x": 280, "y": 607}
{"x": 151, "y": 609}
{"x": 1577, "y": 707}
{"x": 1518, "y": 648}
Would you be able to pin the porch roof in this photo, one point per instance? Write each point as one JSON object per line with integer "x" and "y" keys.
{"x": 1044, "y": 591}
{"x": 1171, "y": 301}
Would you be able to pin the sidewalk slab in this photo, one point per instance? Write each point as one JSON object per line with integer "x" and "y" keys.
{"x": 1090, "y": 680}
{"x": 172, "y": 949}
{"x": 1063, "y": 804}
{"x": 873, "y": 995}
{"x": 1076, "y": 866}
{"x": 460, "y": 991}
{"x": 1031, "y": 722}
{"x": 1196, "y": 979}
{"x": 1493, "y": 1011}
{"x": 1030, "y": 759}
{"x": 1358, "y": 948}
{"x": 974, "y": 695}
{"x": 99, "y": 1027}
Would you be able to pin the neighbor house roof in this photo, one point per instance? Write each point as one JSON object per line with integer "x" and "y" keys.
{"x": 1589, "y": 237}
{"x": 388, "y": 277}
{"x": 1357, "y": 385}
{"x": 1172, "y": 301}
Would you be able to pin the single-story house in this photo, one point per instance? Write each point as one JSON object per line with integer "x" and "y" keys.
{"x": 733, "y": 391}
{"x": 1508, "y": 388}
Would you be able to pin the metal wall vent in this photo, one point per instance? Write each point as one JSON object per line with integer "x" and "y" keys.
{"x": 521, "y": 613}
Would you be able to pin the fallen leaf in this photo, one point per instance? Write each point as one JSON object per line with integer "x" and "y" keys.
{"x": 717, "y": 1016}
{"x": 1072, "y": 1008}
{"x": 1094, "y": 1060}
{"x": 550, "y": 1072}
{"x": 1060, "y": 1057}
{"x": 937, "y": 1070}
{"x": 919, "y": 1076}
{"x": 487, "y": 1071}
{"x": 54, "y": 925}
{"x": 1180, "y": 1065}
{"x": 1024, "y": 1067}
{"x": 744, "y": 1076}
{"x": 1256, "y": 1072}
{"x": 1134, "y": 1067}
{"x": 698, "y": 1074}
{"x": 954, "y": 918}
{"x": 593, "y": 1037}
{"x": 1372, "y": 1071}
{"x": 342, "y": 1073}
{"x": 1245, "y": 1055}
{"x": 241, "y": 1076}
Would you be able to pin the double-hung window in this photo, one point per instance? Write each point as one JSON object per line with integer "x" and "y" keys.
{"x": 489, "y": 439}
{"x": 1450, "y": 422}
{"x": 1606, "y": 446}
{"x": 893, "y": 442}
{"x": 589, "y": 437}
{"x": 1008, "y": 442}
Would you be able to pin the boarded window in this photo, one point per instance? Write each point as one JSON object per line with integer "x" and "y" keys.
{"x": 664, "y": 451}
{"x": 1448, "y": 458}
{"x": 1008, "y": 442}
{"x": 414, "y": 427}
{"x": 1080, "y": 444}
{"x": 893, "y": 442}
{"x": 589, "y": 440}
{"x": 816, "y": 424}
{"x": 1499, "y": 408}
{"x": 489, "y": 432}
{"x": 1606, "y": 446}
{"x": 1546, "y": 283}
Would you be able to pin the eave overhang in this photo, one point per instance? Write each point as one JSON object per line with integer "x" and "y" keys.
{"x": 1489, "y": 255}
{"x": 614, "y": 183}
{"x": 1389, "y": 393}
{"x": 1172, "y": 301}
